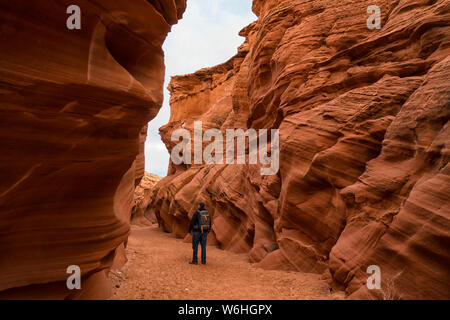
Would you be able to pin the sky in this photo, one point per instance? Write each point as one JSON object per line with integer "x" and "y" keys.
{"x": 206, "y": 36}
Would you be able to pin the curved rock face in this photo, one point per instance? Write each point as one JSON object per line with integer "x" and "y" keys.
{"x": 364, "y": 145}
{"x": 72, "y": 105}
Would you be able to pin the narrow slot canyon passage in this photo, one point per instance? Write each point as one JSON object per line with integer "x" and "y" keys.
{"x": 315, "y": 134}
{"x": 315, "y": 228}
{"x": 157, "y": 262}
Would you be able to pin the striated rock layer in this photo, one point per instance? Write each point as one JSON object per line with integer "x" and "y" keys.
{"x": 73, "y": 104}
{"x": 364, "y": 145}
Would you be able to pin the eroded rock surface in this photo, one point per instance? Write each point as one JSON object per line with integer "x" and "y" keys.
{"x": 73, "y": 104}
{"x": 364, "y": 145}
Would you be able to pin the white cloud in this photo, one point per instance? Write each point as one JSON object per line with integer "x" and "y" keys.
{"x": 206, "y": 36}
{"x": 156, "y": 157}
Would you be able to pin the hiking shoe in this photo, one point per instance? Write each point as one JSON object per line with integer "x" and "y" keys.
{"x": 192, "y": 262}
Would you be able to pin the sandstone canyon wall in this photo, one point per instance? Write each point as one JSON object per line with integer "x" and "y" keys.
{"x": 364, "y": 145}
{"x": 73, "y": 106}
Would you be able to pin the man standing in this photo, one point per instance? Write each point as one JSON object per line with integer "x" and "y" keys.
{"x": 200, "y": 226}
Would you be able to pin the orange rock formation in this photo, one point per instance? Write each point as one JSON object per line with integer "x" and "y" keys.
{"x": 364, "y": 137}
{"x": 140, "y": 214}
{"x": 73, "y": 104}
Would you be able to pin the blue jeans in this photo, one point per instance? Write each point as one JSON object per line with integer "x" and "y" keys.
{"x": 197, "y": 237}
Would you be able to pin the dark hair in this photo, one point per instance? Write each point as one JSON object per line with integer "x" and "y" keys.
{"x": 201, "y": 205}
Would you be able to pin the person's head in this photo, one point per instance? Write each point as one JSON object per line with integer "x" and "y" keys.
{"x": 201, "y": 205}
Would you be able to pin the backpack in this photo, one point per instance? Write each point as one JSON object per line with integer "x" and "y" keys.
{"x": 204, "y": 220}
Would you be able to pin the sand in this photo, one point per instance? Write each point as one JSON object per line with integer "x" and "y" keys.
{"x": 158, "y": 268}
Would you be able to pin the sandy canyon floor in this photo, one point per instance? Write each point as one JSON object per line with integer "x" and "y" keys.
{"x": 158, "y": 268}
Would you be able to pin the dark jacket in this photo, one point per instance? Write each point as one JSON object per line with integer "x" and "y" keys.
{"x": 194, "y": 224}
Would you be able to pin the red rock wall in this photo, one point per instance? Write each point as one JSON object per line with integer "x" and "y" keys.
{"x": 140, "y": 158}
{"x": 72, "y": 107}
{"x": 364, "y": 137}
